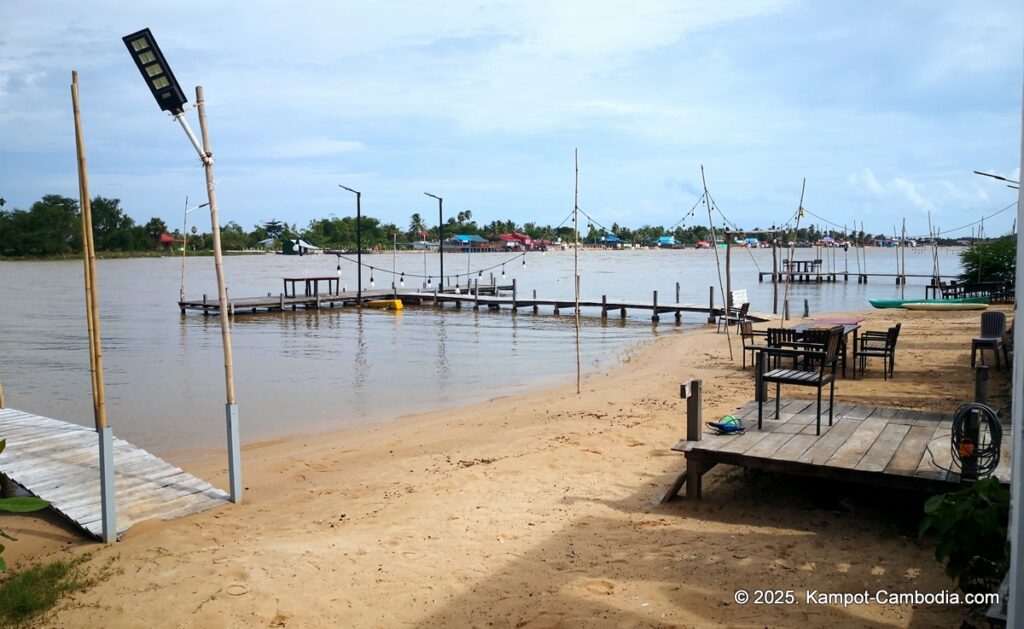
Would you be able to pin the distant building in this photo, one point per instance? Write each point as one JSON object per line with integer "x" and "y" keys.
{"x": 167, "y": 242}
{"x": 665, "y": 241}
{"x": 298, "y": 247}
{"x": 266, "y": 243}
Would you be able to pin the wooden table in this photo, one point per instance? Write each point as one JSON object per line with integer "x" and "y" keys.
{"x": 312, "y": 284}
{"x": 850, "y": 326}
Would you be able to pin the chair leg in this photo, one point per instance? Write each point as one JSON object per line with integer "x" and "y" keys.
{"x": 819, "y": 412}
{"x": 974, "y": 349}
{"x": 831, "y": 400}
{"x": 778, "y": 399}
{"x": 1006, "y": 356}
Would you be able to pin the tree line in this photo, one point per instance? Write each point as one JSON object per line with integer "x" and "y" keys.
{"x": 52, "y": 227}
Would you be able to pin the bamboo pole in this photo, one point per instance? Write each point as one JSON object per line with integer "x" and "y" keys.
{"x": 718, "y": 265}
{"x": 231, "y": 407}
{"x": 576, "y": 263}
{"x": 89, "y": 261}
{"x": 1, "y": 394}
{"x": 789, "y": 275}
{"x": 218, "y": 260}
{"x": 903, "y": 262}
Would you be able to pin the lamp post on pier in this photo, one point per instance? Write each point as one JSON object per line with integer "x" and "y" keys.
{"x": 440, "y": 235}
{"x": 359, "y": 244}
{"x": 184, "y": 245}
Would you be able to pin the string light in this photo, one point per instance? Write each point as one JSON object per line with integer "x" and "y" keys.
{"x": 502, "y": 271}
{"x": 371, "y": 278}
{"x": 339, "y": 267}
{"x": 428, "y": 280}
{"x": 481, "y": 273}
{"x": 401, "y": 280}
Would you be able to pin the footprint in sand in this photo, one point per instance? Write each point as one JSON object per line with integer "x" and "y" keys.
{"x": 599, "y": 586}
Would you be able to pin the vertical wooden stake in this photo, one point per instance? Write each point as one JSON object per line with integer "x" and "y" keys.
{"x": 576, "y": 262}
{"x": 231, "y": 406}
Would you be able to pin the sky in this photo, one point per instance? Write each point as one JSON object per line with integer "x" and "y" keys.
{"x": 884, "y": 107}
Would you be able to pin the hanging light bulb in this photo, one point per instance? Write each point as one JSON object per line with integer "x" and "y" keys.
{"x": 502, "y": 271}
{"x": 401, "y": 280}
{"x": 372, "y": 284}
{"x": 481, "y": 273}
{"x": 339, "y": 267}
{"x": 428, "y": 280}
{"x": 524, "y": 259}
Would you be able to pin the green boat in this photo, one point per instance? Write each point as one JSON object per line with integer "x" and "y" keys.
{"x": 898, "y": 303}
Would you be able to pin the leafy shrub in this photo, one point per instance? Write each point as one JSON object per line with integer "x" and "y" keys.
{"x": 971, "y": 528}
{"x": 991, "y": 261}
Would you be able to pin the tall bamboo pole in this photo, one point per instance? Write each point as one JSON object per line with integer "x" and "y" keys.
{"x": 89, "y": 259}
{"x": 576, "y": 262}
{"x": 718, "y": 265}
{"x": 903, "y": 262}
{"x": 1, "y": 395}
{"x": 231, "y": 407}
{"x": 104, "y": 434}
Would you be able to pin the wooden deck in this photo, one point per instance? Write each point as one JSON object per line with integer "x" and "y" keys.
{"x": 59, "y": 462}
{"x": 880, "y": 446}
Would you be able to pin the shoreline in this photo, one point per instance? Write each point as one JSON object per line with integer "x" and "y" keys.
{"x": 532, "y": 509}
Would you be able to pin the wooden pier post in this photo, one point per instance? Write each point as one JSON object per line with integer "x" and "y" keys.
{"x": 807, "y": 309}
{"x": 654, "y": 317}
{"x": 535, "y": 301}
{"x": 711, "y": 304}
{"x": 677, "y": 292}
{"x": 785, "y": 310}
{"x": 514, "y": 295}
{"x": 604, "y": 306}
{"x": 435, "y": 297}
{"x": 476, "y": 295}
{"x": 775, "y": 276}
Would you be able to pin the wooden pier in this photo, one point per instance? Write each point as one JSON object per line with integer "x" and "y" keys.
{"x": 59, "y": 462}
{"x": 885, "y": 447}
{"x": 488, "y": 296}
{"x": 819, "y": 277}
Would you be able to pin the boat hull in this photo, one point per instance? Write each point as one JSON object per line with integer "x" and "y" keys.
{"x": 384, "y": 304}
{"x": 960, "y": 306}
{"x": 898, "y": 303}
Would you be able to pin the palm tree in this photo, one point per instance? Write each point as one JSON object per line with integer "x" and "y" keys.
{"x": 416, "y": 226}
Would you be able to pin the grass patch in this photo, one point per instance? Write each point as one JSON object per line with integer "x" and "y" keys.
{"x": 34, "y": 591}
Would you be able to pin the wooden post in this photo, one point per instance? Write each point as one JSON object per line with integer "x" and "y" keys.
{"x": 691, "y": 392}
{"x": 728, "y": 273}
{"x": 576, "y": 262}
{"x": 514, "y": 294}
{"x": 711, "y": 304}
{"x": 654, "y": 317}
{"x": 785, "y": 310}
{"x": 231, "y": 406}
{"x": 677, "y": 292}
{"x": 535, "y": 301}
{"x": 807, "y": 309}
{"x": 775, "y": 276}
{"x": 105, "y": 437}
{"x": 476, "y": 295}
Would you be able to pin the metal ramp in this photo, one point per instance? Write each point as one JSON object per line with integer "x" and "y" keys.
{"x": 59, "y": 462}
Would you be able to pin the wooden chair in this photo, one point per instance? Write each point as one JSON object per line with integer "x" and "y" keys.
{"x": 993, "y": 336}
{"x": 733, "y": 316}
{"x": 877, "y": 345}
{"x": 782, "y": 337}
{"x": 749, "y": 336}
{"x": 824, "y": 356}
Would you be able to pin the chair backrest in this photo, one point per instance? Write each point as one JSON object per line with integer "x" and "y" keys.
{"x": 778, "y": 336}
{"x": 746, "y": 331}
{"x": 830, "y": 340}
{"x": 993, "y": 324}
{"x": 744, "y": 309}
{"x": 894, "y": 333}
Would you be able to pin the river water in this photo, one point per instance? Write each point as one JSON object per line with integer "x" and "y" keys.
{"x": 306, "y": 372}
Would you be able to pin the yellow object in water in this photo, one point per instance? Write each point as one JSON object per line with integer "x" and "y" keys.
{"x": 384, "y": 304}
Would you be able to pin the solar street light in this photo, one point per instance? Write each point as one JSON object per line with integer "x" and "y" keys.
{"x": 440, "y": 234}
{"x": 165, "y": 89}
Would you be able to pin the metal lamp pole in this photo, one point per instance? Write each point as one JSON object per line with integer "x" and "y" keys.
{"x": 359, "y": 243}
{"x": 184, "y": 245}
{"x": 440, "y": 234}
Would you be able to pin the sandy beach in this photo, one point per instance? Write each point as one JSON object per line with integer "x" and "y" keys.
{"x": 536, "y": 511}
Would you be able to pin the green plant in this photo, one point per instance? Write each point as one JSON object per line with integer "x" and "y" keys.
{"x": 991, "y": 261}
{"x": 971, "y": 528}
{"x": 35, "y": 590}
{"x": 16, "y": 505}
